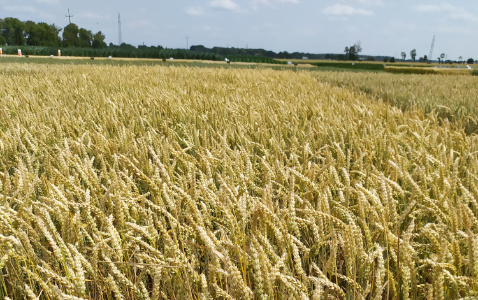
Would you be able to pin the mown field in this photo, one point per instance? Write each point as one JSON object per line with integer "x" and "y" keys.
{"x": 155, "y": 182}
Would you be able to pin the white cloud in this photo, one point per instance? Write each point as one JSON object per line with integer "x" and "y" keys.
{"x": 49, "y": 2}
{"x": 21, "y": 8}
{"x": 429, "y": 8}
{"x": 454, "y": 12}
{"x": 256, "y": 4}
{"x": 224, "y": 4}
{"x": 340, "y": 10}
{"x": 26, "y": 12}
{"x": 370, "y": 2}
{"x": 195, "y": 11}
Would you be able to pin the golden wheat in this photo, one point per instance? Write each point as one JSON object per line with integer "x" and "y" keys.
{"x": 188, "y": 183}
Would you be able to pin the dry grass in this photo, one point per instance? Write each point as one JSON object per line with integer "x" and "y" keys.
{"x": 185, "y": 183}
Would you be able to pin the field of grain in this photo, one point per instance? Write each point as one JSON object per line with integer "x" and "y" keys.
{"x": 203, "y": 183}
{"x": 450, "y": 98}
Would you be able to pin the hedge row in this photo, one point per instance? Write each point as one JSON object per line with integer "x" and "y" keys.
{"x": 134, "y": 53}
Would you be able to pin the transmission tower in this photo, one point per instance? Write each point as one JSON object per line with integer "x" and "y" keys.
{"x": 430, "y": 57}
{"x": 120, "y": 36}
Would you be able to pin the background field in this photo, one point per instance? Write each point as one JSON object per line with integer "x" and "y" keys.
{"x": 179, "y": 182}
{"x": 451, "y": 97}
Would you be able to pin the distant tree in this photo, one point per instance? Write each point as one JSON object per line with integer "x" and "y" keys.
{"x": 425, "y": 58}
{"x": 385, "y": 59}
{"x": 3, "y": 40}
{"x": 404, "y": 55}
{"x": 198, "y": 48}
{"x": 284, "y": 54}
{"x": 127, "y": 46}
{"x": 99, "y": 40}
{"x": 460, "y": 59}
{"x": 41, "y": 34}
{"x": 392, "y": 60}
{"x": 470, "y": 61}
{"x": 358, "y": 49}
{"x": 32, "y": 33}
{"x": 52, "y": 34}
{"x": 442, "y": 56}
{"x": 352, "y": 52}
{"x": 13, "y": 31}
{"x": 71, "y": 35}
{"x": 413, "y": 54}
{"x": 85, "y": 38}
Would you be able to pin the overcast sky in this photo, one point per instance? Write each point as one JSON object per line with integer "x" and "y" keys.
{"x": 318, "y": 26}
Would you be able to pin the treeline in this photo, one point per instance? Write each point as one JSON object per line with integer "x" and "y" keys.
{"x": 45, "y": 39}
{"x": 128, "y": 51}
{"x": 14, "y": 32}
{"x": 264, "y": 53}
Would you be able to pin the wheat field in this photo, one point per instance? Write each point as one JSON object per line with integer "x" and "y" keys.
{"x": 186, "y": 183}
{"x": 451, "y": 97}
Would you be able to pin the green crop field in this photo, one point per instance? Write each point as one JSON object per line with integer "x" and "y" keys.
{"x": 145, "y": 180}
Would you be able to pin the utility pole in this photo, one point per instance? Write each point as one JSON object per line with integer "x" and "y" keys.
{"x": 120, "y": 36}
{"x": 187, "y": 42}
{"x": 69, "y": 16}
{"x": 430, "y": 55}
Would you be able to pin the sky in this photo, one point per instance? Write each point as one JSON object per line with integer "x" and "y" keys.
{"x": 315, "y": 26}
